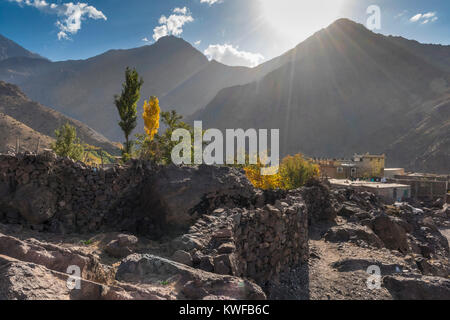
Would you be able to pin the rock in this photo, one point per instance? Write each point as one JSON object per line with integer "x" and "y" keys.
{"x": 55, "y": 258}
{"x": 176, "y": 191}
{"x": 127, "y": 240}
{"x": 195, "y": 283}
{"x": 353, "y": 232}
{"x": 226, "y": 248}
{"x": 418, "y": 288}
{"x": 223, "y": 234}
{"x": 206, "y": 263}
{"x": 224, "y": 264}
{"x": 348, "y": 210}
{"x": 182, "y": 257}
{"x": 433, "y": 267}
{"x": 28, "y": 281}
{"x": 35, "y": 204}
{"x": 187, "y": 243}
{"x": 393, "y": 236}
{"x": 122, "y": 246}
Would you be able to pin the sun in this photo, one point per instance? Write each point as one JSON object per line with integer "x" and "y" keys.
{"x": 298, "y": 19}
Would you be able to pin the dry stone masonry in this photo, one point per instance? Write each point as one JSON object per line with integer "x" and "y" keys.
{"x": 213, "y": 218}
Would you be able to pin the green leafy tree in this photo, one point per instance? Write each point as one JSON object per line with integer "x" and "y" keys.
{"x": 295, "y": 171}
{"x": 126, "y": 105}
{"x": 67, "y": 144}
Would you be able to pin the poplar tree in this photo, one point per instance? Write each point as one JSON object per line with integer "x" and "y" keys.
{"x": 126, "y": 105}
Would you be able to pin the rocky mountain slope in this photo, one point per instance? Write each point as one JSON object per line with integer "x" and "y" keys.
{"x": 434, "y": 54}
{"x": 343, "y": 90}
{"x": 10, "y": 49}
{"x": 426, "y": 145}
{"x": 33, "y": 120}
{"x": 10, "y": 129}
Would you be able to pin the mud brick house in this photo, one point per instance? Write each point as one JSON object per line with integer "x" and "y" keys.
{"x": 362, "y": 166}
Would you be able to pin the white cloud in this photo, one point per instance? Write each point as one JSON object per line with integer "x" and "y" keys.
{"x": 230, "y": 55}
{"x": 211, "y": 2}
{"x": 172, "y": 25}
{"x": 416, "y": 17}
{"x": 197, "y": 43}
{"x": 401, "y": 14}
{"x": 70, "y": 14}
{"x": 145, "y": 39}
{"x": 424, "y": 18}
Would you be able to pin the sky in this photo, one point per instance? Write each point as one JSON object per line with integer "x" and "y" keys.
{"x": 235, "y": 32}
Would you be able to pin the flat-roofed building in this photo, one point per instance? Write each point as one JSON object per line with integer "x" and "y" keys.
{"x": 369, "y": 165}
{"x": 389, "y": 192}
{"x": 365, "y": 166}
{"x": 425, "y": 187}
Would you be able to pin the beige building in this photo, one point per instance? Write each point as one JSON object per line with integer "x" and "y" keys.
{"x": 363, "y": 166}
{"x": 370, "y": 166}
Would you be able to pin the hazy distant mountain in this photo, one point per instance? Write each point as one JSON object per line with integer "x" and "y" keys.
{"x": 34, "y": 120}
{"x": 10, "y": 49}
{"x": 181, "y": 76}
{"x": 343, "y": 90}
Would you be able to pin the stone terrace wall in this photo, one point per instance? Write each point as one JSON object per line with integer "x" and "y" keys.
{"x": 231, "y": 228}
{"x": 257, "y": 243}
{"x": 59, "y": 195}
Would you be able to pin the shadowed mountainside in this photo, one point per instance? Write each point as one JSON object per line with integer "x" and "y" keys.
{"x": 180, "y": 75}
{"x": 343, "y": 90}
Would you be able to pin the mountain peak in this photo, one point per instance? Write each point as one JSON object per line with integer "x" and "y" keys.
{"x": 10, "y": 49}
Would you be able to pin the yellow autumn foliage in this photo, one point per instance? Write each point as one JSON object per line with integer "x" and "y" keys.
{"x": 293, "y": 172}
{"x": 151, "y": 117}
{"x": 253, "y": 173}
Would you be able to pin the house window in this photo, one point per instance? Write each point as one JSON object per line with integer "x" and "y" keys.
{"x": 340, "y": 170}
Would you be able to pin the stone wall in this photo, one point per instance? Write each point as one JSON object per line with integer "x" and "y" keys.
{"x": 227, "y": 226}
{"x": 257, "y": 243}
{"x": 59, "y": 195}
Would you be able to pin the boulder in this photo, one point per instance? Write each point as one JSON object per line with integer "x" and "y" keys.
{"x": 122, "y": 246}
{"x": 196, "y": 284}
{"x": 55, "y": 257}
{"x": 418, "y": 288}
{"x": 183, "y": 257}
{"x": 177, "y": 192}
{"x": 353, "y": 232}
{"x": 36, "y": 204}
{"x": 391, "y": 233}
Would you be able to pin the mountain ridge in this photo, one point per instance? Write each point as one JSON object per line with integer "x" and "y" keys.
{"x": 43, "y": 120}
{"x": 341, "y": 91}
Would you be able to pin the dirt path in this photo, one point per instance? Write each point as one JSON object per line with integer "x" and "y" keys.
{"x": 338, "y": 272}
